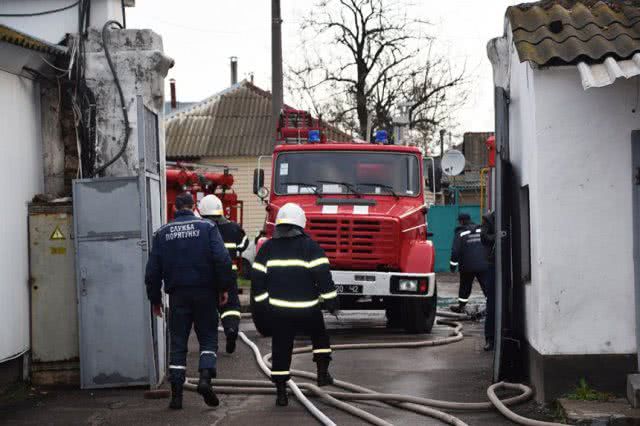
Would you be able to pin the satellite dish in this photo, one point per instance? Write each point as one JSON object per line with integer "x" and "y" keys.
{"x": 453, "y": 162}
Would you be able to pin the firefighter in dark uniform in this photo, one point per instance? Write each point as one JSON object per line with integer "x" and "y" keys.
{"x": 236, "y": 242}
{"x": 291, "y": 274}
{"x": 488, "y": 238}
{"x": 188, "y": 254}
{"x": 469, "y": 256}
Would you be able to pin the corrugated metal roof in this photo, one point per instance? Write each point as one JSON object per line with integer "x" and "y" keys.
{"x": 13, "y": 36}
{"x": 562, "y": 32}
{"x": 234, "y": 122}
{"x": 606, "y": 73}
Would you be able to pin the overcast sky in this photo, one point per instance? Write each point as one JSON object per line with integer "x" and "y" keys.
{"x": 201, "y": 35}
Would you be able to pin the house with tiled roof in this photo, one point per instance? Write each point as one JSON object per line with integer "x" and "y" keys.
{"x": 233, "y": 128}
{"x": 567, "y": 79}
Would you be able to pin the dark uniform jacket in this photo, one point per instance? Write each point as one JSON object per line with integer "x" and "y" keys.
{"x": 234, "y": 237}
{"x": 292, "y": 273}
{"x": 488, "y": 235}
{"x": 468, "y": 253}
{"x": 188, "y": 252}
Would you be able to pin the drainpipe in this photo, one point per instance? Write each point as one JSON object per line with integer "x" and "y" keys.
{"x": 174, "y": 101}
{"x": 502, "y": 141}
{"x": 276, "y": 64}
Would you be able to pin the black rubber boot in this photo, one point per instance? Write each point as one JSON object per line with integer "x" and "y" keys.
{"x": 204, "y": 388}
{"x": 324, "y": 378}
{"x": 231, "y": 343}
{"x": 488, "y": 346}
{"x": 282, "y": 399}
{"x": 176, "y": 396}
{"x": 458, "y": 309}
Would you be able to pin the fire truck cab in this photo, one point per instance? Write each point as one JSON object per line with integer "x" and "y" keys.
{"x": 366, "y": 208}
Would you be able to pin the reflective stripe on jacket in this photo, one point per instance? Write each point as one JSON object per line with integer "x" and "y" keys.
{"x": 292, "y": 273}
{"x": 468, "y": 253}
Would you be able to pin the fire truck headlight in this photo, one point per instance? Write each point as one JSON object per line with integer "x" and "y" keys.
{"x": 408, "y": 285}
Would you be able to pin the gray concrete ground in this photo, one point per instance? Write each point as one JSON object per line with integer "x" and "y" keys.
{"x": 457, "y": 372}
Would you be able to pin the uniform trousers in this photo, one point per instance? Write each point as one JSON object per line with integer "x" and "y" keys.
{"x": 289, "y": 322}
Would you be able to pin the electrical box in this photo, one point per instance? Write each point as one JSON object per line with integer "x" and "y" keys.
{"x": 54, "y": 312}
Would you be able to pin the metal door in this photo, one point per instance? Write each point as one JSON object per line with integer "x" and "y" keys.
{"x": 114, "y": 318}
{"x": 114, "y": 218}
{"x": 152, "y": 216}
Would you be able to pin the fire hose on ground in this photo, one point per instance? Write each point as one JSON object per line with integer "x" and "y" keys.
{"x": 423, "y": 406}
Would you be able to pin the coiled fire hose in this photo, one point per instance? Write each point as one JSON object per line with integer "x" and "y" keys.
{"x": 423, "y": 406}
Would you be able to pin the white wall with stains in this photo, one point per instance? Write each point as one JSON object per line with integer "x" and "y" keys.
{"x": 21, "y": 175}
{"x": 573, "y": 148}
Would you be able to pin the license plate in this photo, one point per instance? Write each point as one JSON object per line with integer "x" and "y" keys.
{"x": 349, "y": 289}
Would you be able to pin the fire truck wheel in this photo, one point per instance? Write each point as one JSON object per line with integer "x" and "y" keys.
{"x": 260, "y": 318}
{"x": 419, "y": 315}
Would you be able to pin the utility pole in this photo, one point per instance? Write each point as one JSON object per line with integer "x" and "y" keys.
{"x": 276, "y": 62}
{"x": 442, "y": 132}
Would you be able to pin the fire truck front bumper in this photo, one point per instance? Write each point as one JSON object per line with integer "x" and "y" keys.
{"x": 384, "y": 283}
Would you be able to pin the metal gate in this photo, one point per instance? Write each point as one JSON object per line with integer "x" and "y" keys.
{"x": 121, "y": 343}
{"x": 442, "y": 222}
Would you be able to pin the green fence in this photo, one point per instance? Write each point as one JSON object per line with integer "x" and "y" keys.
{"x": 442, "y": 222}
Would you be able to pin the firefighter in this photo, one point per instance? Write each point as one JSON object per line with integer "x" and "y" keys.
{"x": 291, "y": 274}
{"x": 469, "y": 256}
{"x": 188, "y": 254}
{"x": 236, "y": 242}
{"x": 488, "y": 238}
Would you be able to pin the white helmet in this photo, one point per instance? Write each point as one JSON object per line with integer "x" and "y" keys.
{"x": 291, "y": 214}
{"x": 210, "y": 205}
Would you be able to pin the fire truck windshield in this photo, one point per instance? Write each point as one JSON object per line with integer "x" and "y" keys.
{"x": 379, "y": 173}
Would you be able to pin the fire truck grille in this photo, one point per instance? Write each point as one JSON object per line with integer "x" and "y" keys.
{"x": 358, "y": 243}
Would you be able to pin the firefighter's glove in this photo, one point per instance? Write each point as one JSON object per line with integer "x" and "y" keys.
{"x": 331, "y": 305}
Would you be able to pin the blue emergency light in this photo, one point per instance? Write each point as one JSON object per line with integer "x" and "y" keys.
{"x": 382, "y": 137}
{"x": 314, "y": 136}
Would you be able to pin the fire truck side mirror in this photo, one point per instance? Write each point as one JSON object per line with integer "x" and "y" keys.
{"x": 258, "y": 180}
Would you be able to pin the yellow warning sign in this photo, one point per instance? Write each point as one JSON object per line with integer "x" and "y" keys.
{"x": 57, "y": 234}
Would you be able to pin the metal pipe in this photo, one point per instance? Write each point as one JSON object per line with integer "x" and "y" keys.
{"x": 234, "y": 70}
{"x": 502, "y": 138}
{"x": 276, "y": 63}
{"x": 483, "y": 186}
{"x": 174, "y": 100}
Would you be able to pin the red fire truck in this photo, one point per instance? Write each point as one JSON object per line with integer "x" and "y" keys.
{"x": 365, "y": 206}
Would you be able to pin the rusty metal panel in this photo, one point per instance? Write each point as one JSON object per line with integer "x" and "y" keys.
{"x": 54, "y": 318}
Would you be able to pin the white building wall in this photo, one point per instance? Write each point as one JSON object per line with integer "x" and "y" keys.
{"x": 522, "y": 150}
{"x": 53, "y": 27}
{"x": 584, "y": 257}
{"x": 22, "y": 177}
{"x": 573, "y": 148}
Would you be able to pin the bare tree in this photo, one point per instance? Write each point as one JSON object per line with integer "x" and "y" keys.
{"x": 365, "y": 57}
